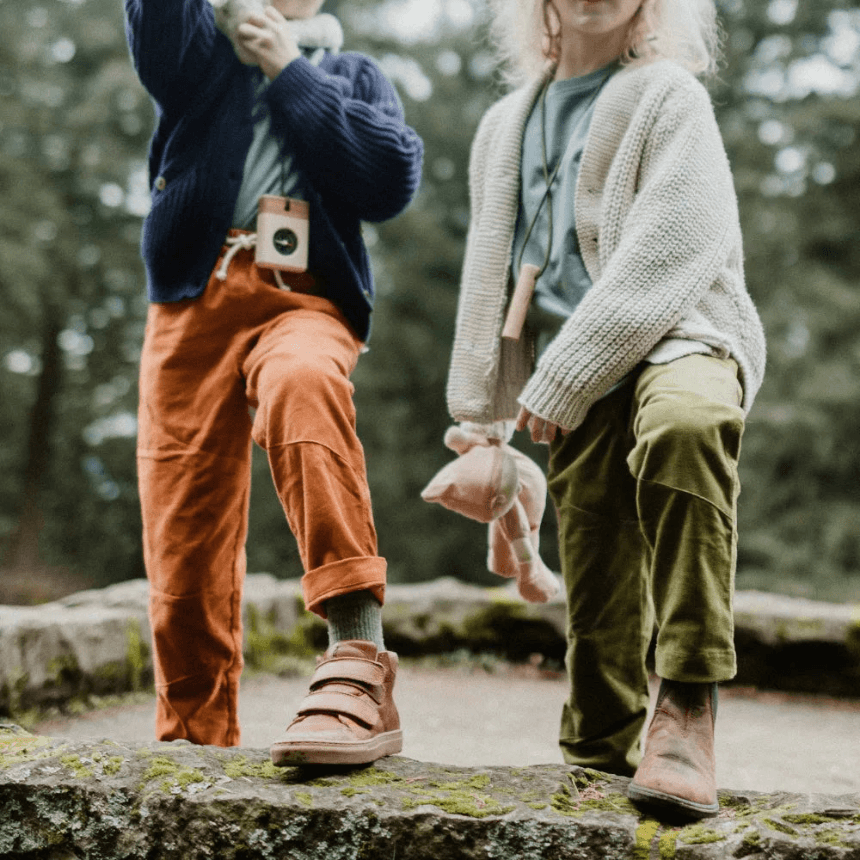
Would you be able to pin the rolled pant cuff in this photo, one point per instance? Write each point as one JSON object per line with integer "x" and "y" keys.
{"x": 703, "y": 667}
{"x": 343, "y": 577}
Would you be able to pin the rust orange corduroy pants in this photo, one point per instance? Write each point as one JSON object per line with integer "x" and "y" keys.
{"x": 245, "y": 360}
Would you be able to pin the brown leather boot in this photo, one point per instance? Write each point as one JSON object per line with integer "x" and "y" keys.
{"x": 676, "y": 774}
{"x": 349, "y": 715}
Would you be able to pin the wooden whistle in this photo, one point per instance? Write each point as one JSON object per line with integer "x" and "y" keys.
{"x": 520, "y": 301}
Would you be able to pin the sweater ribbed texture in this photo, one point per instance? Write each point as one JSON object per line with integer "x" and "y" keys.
{"x": 657, "y": 221}
{"x": 345, "y": 125}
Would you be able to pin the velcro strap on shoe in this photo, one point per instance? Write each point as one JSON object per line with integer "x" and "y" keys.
{"x": 349, "y": 669}
{"x": 334, "y": 702}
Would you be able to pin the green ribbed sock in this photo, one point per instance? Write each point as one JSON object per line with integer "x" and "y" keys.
{"x": 356, "y": 615}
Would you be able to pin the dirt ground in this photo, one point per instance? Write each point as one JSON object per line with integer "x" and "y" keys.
{"x": 472, "y": 717}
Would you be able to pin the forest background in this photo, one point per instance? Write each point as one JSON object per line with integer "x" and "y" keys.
{"x": 74, "y": 128}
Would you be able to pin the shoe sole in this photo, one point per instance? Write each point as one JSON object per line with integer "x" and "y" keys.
{"x": 670, "y": 803}
{"x": 302, "y": 752}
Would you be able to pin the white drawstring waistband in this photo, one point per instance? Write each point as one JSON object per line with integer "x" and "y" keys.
{"x": 242, "y": 242}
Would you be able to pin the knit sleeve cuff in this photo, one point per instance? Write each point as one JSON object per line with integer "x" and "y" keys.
{"x": 547, "y": 398}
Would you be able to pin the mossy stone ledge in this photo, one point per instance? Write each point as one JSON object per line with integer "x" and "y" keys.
{"x": 98, "y": 642}
{"x": 101, "y": 799}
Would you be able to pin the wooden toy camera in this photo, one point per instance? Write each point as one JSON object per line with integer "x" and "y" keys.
{"x": 282, "y": 234}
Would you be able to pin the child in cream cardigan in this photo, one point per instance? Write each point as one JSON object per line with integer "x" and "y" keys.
{"x": 603, "y": 209}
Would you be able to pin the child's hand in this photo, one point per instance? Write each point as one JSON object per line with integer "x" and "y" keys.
{"x": 541, "y": 430}
{"x": 269, "y": 39}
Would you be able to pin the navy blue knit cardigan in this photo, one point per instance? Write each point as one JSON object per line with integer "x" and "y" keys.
{"x": 344, "y": 124}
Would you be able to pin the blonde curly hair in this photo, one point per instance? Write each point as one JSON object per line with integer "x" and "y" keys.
{"x": 525, "y": 34}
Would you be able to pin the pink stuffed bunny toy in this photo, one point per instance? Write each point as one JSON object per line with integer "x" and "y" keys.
{"x": 491, "y": 482}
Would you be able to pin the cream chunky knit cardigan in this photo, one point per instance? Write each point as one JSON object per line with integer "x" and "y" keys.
{"x": 657, "y": 220}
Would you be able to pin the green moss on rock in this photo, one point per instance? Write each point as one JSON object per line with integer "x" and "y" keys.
{"x": 319, "y": 782}
{"x": 136, "y": 657}
{"x": 612, "y": 802}
{"x": 459, "y": 802}
{"x": 269, "y": 649}
{"x": 829, "y": 837}
{"x": 646, "y": 833}
{"x": 565, "y": 802}
{"x": 737, "y": 804}
{"x": 667, "y": 843}
{"x": 592, "y": 775}
{"x": 812, "y": 818}
{"x": 113, "y": 765}
{"x": 80, "y": 769}
{"x": 699, "y": 834}
{"x": 779, "y": 826}
{"x": 238, "y": 766}
{"x": 22, "y": 747}
{"x": 351, "y": 791}
{"x": 305, "y": 798}
{"x": 12, "y": 691}
{"x": 751, "y": 841}
{"x": 176, "y": 776}
{"x": 63, "y": 669}
{"x": 476, "y": 782}
{"x": 371, "y": 776}
{"x": 458, "y": 796}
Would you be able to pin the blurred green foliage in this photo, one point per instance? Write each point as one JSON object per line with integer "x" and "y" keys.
{"x": 74, "y": 126}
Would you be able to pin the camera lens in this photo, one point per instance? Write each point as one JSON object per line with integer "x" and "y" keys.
{"x": 285, "y": 241}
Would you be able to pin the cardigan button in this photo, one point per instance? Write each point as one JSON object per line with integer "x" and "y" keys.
{"x": 160, "y": 183}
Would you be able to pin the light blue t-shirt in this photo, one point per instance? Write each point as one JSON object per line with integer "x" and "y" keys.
{"x": 269, "y": 166}
{"x": 569, "y": 107}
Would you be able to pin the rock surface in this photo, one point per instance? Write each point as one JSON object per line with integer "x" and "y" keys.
{"x": 98, "y": 641}
{"x": 102, "y": 799}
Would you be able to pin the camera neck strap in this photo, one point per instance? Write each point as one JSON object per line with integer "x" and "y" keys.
{"x": 550, "y": 177}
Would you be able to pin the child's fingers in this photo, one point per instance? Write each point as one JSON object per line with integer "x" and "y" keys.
{"x": 276, "y": 22}
{"x": 263, "y": 38}
{"x": 249, "y": 32}
{"x": 523, "y": 418}
{"x": 256, "y": 21}
{"x": 544, "y": 431}
{"x": 541, "y": 430}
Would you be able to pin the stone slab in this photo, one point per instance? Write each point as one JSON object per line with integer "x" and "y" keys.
{"x": 101, "y": 799}
{"x": 50, "y": 654}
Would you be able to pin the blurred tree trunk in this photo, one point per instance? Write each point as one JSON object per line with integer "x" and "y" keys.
{"x": 23, "y": 553}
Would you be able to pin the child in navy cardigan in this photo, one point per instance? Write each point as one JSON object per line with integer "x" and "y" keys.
{"x": 235, "y": 351}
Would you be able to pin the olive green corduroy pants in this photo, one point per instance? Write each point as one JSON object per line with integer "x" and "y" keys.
{"x": 646, "y": 492}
